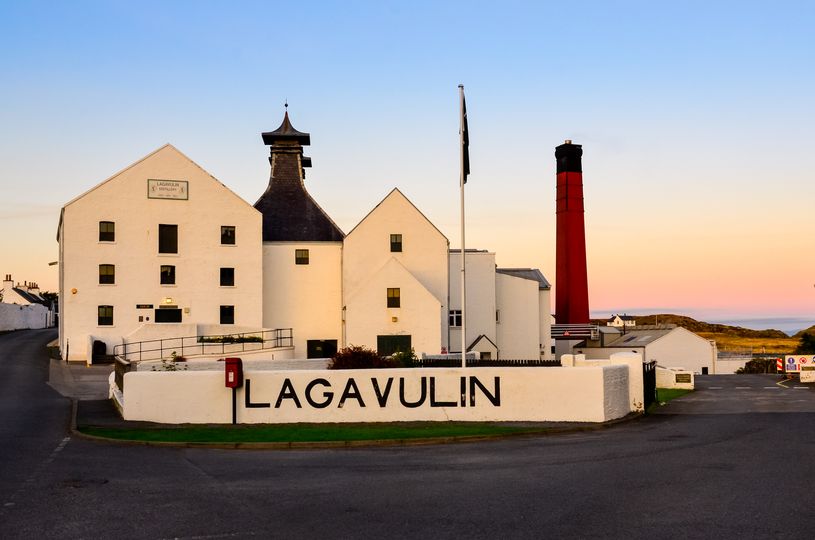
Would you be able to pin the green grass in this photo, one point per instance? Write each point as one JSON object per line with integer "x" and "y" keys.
{"x": 664, "y": 395}
{"x": 283, "y": 433}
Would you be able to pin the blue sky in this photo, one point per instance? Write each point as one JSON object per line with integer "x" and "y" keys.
{"x": 696, "y": 120}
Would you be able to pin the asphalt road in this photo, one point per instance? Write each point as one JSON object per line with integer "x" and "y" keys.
{"x": 704, "y": 470}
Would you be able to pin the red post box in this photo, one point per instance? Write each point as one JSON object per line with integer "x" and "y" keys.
{"x": 233, "y": 369}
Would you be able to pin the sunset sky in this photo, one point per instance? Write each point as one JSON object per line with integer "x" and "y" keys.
{"x": 697, "y": 121}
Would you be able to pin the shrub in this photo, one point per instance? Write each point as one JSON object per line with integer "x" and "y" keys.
{"x": 405, "y": 359}
{"x": 758, "y": 365}
{"x": 357, "y": 357}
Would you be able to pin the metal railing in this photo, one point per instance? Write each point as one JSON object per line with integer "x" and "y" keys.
{"x": 158, "y": 349}
{"x": 576, "y": 331}
{"x": 484, "y": 362}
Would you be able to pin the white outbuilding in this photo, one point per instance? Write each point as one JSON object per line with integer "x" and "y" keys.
{"x": 670, "y": 345}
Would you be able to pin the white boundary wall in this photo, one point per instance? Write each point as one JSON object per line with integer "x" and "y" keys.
{"x": 666, "y": 378}
{"x": 19, "y": 317}
{"x": 633, "y": 363}
{"x": 581, "y": 394}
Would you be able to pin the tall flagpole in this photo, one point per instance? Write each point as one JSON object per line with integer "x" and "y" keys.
{"x": 463, "y": 180}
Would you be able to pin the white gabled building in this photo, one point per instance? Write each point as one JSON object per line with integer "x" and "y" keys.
{"x": 154, "y": 251}
{"x": 163, "y": 250}
{"x": 395, "y": 280}
{"x": 670, "y": 345}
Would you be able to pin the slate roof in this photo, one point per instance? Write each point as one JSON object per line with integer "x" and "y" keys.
{"x": 289, "y": 212}
{"x": 639, "y": 338}
{"x": 532, "y": 274}
{"x": 28, "y": 297}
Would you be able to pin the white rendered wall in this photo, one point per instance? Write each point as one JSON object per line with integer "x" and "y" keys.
{"x": 123, "y": 200}
{"x": 480, "y": 296}
{"x": 666, "y": 378}
{"x": 582, "y": 394}
{"x": 367, "y": 315}
{"x": 633, "y": 363}
{"x": 519, "y": 320}
{"x": 545, "y": 316}
{"x": 307, "y": 297}
{"x": 19, "y": 317}
{"x": 366, "y": 250}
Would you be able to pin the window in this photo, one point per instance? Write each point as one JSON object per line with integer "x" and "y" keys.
{"x": 227, "y": 314}
{"x": 228, "y": 235}
{"x": 168, "y": 238}
{"x": 167, "y": 274}
{"x": 498, "y": 316}
{"x": 455, "y": 317}
{"x": 105, "y": 316}
{"x": 300, "y": 256}
{"x": 227, "y": 277}
{"x": 107, "y": 274}
{"x": 107, "y": 231}
{"x": 394, "y": 299}
{"x": 396, "y": 243}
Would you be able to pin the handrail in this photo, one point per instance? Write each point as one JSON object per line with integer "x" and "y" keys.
{"x": 210, "y": 344}
{"x": 572, "y": 331}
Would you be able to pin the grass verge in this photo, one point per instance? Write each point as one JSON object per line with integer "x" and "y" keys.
{"x": 664, "y": 395}
{"x": 283, "y": 433}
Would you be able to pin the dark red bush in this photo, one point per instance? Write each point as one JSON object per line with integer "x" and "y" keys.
{"x": 357, "y": 357}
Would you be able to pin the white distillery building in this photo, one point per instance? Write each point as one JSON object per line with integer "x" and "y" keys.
{"x": 155, "y": 251}
{"x": 164, "y": 250}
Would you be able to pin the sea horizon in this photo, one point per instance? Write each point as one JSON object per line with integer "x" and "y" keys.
{"x": 789, "y": 325}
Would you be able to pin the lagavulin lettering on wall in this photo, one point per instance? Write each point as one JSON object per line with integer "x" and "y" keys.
{"x": 382, "y": 392}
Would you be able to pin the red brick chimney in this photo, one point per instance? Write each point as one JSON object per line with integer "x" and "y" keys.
{"x": 571, "y": 279}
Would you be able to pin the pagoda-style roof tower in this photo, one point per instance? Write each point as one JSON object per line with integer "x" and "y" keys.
{"x": 289, "y": 212}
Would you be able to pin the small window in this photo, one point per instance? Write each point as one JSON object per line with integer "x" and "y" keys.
{"x": 105, "y": 317}
{"x": 228, "y": 235}
{"x": 455, "y": 317}
{"x": 107, "y": 274}
{"x": 107, "y": 231}
{"x": 396, "y": 243}
{"x": 497, "y": 315}
{"x": 394, "y": 298}
{"x": 168, "y": 238}
{"x": 227, "y": 277}
{"x": 167, "y": 274}
{"x": 227, "y": 314}
{"x": 300, "y": 256}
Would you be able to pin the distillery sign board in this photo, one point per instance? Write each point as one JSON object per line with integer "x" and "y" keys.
{"x": 168, "y": 189}
{"x": 588, "y": 394}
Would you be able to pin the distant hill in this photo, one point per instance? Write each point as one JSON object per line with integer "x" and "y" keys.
{"x": 810, "y": 330}
{"x": 698, "y": 326}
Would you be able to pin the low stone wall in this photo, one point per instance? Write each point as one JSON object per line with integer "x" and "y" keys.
{"x": 19, "y": 317}
{"x": 633, "y": 363}
{"x": 579, "y": 394}
{"x": 675, "y": 378}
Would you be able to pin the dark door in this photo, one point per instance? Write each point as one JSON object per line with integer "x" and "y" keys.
{"x": 321, "y": 348}
{"x": 387, "y": 345}
{"x": 168, "y": 315}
